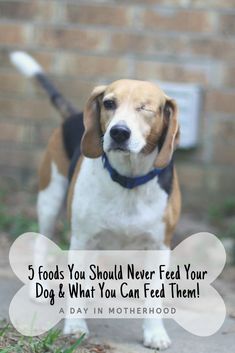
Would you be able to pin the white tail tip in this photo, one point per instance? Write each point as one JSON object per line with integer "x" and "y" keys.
{"x": 27, "y": 65}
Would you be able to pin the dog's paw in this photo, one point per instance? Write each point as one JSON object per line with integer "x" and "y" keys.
{"x": 76, "y": 327}
{"x": 157, "y": 338}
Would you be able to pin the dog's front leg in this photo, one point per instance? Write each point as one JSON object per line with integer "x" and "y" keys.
{"x": 75, "y": 326}
{"x": 155, "y": 335}
{"x": 154, "y": 332}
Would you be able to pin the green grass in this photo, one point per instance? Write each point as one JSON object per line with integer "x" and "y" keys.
{"x": 52, "y": 342}
{"x": 15, "y": 225}
{"x": 225, "y": 209}
{"x": 222, "y": 216}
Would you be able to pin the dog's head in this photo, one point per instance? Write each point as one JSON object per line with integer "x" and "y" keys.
{"x": 130, "y": 116}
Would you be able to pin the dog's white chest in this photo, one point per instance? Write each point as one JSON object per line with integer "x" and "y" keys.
{"x": 102, "y": 209}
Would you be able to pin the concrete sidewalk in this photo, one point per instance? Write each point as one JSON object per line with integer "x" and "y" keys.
{"x": 124, "y": 336}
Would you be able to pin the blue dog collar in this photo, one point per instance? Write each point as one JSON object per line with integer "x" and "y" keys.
{"x": 128, "y": 182}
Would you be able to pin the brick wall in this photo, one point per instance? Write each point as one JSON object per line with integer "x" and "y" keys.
{"x": 82, "y": 43}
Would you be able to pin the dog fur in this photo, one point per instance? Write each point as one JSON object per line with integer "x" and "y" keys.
{"x": 142, "y": 218}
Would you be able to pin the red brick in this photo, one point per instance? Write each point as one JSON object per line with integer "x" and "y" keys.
{"x": 224, "y": 4}
{"x": 12, "y": 83}
{"x": 99, "y": 14}
{"x": 10, "y": 132}
{"x": 94, "y": 66}
{"x": 45, "y": 10}
{"x": 224, "y": 142}
{"x": 26, "y": 10}
{"x": 27, "y": 109}
{"x": 42, "y": 133}
{"x": 75, "y": 88}
{"x": 116, "y": 49}
{"x": 123, "y": 42}
{"x": 72, "y": 38}
{"x": 220, "y": 102}
{"x": 170, "y": 72}
{"x": 45, "y": 59}
{"x": 224, "y": 130}
{"x": 214, "y": 48}
{"x": 179, "y": 21}
{"x": 4, "y": 58}
{"x": 20, "y": 157}
{"x": 191, "y": 176}
{"x": 229, "y": 76}
{"x": 18, "y": 132}
{"x": 227, "y": 24}
{"x": 13, "y": 34}
{"x": 16, "y": 10}
{"x": 146, "y": 44}
{"x": 172, "y": 3}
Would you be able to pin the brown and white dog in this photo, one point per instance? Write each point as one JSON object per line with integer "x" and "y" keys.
{"x": 124, "y": 189}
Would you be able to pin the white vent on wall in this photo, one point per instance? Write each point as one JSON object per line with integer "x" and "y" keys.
{"x": 188, "y": 97}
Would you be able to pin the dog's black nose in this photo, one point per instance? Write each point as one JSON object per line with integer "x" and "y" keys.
{"x": 120, "y": 133}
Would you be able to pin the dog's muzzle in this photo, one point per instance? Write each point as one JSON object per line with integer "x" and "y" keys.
{"x": 120, "y": 133}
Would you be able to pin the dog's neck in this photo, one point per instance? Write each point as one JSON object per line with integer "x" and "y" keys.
{"x": 132, "y": 164}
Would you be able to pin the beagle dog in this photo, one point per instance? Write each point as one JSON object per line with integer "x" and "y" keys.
{"x": 122, "y": 190}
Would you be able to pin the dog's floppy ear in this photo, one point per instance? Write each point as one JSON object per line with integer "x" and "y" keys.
{"x": 171, "y": 139}
{"x": 91, "y": 144}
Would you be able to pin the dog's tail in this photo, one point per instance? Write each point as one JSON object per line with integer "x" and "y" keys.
{"x": 29, "y": 67}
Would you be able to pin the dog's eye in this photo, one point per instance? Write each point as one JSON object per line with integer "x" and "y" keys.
{"x": 141, "y": 107}
{"x": 109, "y": 104}
{"x": 144, "y": 108}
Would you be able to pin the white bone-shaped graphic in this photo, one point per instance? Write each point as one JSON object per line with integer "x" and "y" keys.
{"x": 202, "y": 315}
